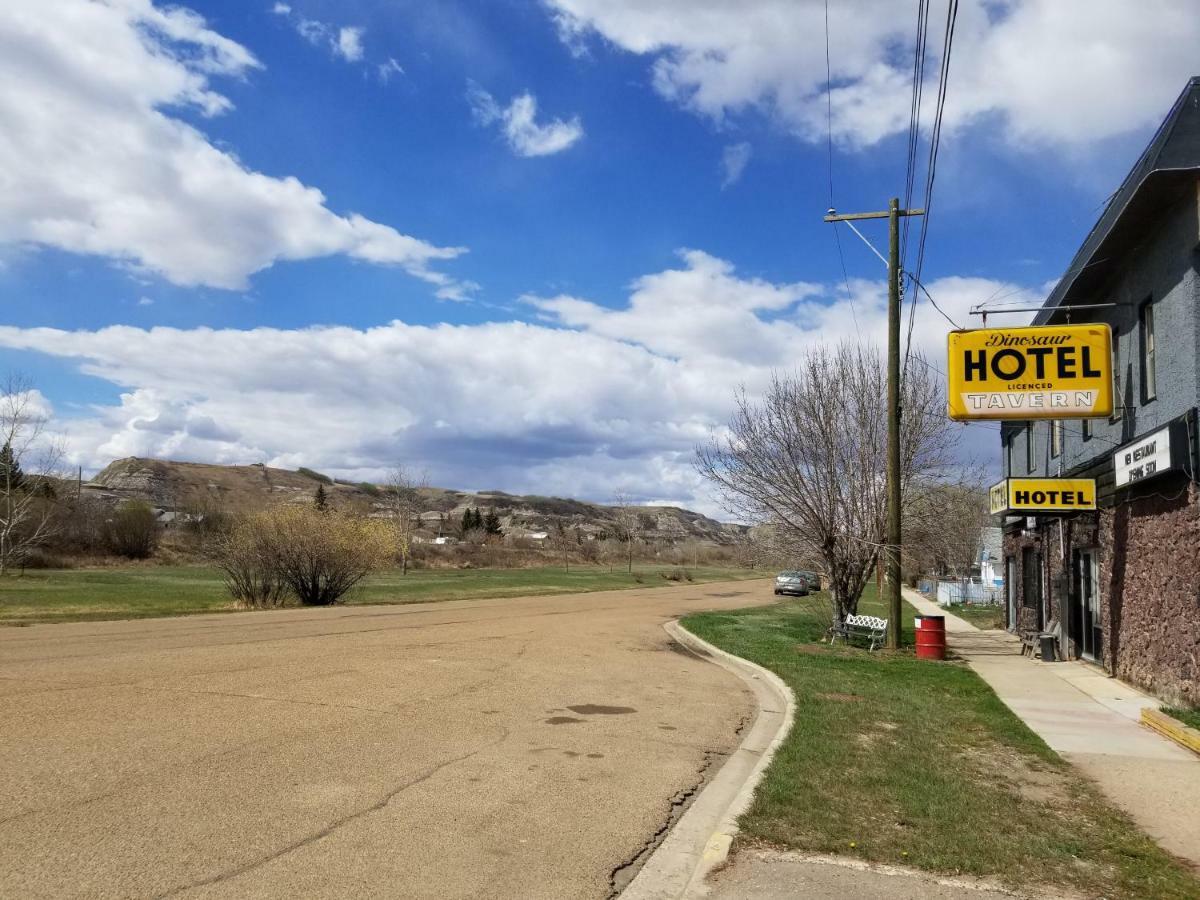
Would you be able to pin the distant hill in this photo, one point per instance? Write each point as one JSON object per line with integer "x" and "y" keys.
{"x": 185, "y": 486}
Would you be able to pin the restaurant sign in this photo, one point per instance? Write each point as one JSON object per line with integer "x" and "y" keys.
{"x": 1042, "y": 495}
{"x": 1158, "y": 452}
{"x": 1045, "y": 372}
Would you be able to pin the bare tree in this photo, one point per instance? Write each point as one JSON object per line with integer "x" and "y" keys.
{"x": 629, "y": 524}
{"x": 564, "y": 542}
{"x": 944, "y": 527}
{"x": 770, "y": 547}
{"x": 28, "y": 466}
{"x": 809, "y": 459}
{"x": 402, "y": 499}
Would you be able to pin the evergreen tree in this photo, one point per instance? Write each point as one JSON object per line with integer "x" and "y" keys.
{"x": 11, "y": 476}
{"x": 491, "y": 524}
{"x": 472, "y": 520}
{"x": 321, "y": 499}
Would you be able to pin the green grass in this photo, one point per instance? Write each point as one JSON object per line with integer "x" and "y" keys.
{"x": 904, "y": 761}
{"x": 979, "y": 616}
{"x": 61, "y": 595}
{"x": 1189, "y": 717}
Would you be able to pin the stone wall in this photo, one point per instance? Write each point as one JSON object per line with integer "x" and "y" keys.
{"x": 1149, "y": 579}
{"x": 1150, "y": 574}
{"x": 1014, "y": 546}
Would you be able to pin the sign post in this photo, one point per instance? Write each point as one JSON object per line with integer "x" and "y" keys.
{"x": 1046, "y": 372}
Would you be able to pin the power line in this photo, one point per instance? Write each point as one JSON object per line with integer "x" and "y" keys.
{"x": 925, "y": 291}
{"x": 829, "y": 104}
{"x": 919, "y": 56}
{"x": 845, "y": 277}
{"x": 914, "y": 114}
{"x": 829, "y": 146}
{"x": 935, "y": 136}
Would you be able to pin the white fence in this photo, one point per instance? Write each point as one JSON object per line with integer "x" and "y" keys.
{"x": 960, "y": 591}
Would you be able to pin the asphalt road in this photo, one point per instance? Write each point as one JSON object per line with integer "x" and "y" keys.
{"x": 520, "y": 748}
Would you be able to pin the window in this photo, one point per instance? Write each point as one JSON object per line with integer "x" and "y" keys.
{"x": 1029, "y": 447}
{"x": 1118, "y": 396}
{"x": 1056, "y": 438}
{"x": 1008, "y": 445}
{"x": 1149, "y": 380}
{"x": 1085, "y": 429}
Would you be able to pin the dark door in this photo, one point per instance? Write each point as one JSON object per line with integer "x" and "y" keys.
{"x": 1075, "y": 603}
{"x": 1031, "y": 576}
{"x": 1088, "y": 605}
{"x": 1010, "y": 590}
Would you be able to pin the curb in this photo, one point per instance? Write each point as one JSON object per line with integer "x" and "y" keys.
{"x": 1171, "y": 728}
{"x": 701, "y": 839}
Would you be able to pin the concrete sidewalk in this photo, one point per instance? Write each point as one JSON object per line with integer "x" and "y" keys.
{"x": 1092, "y": 721}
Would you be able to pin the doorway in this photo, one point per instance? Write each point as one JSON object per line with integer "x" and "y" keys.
{"x": 1085, "y": 605}
{"x": 1010, "y": 592}
{"x": 1031, "y": 584}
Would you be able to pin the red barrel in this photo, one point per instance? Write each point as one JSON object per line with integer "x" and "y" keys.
{"x": 931, "y": 637}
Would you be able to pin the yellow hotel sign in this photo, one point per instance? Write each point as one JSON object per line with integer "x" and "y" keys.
{"x": 1047, "y": 372}
{"x": 1034, "y": 495}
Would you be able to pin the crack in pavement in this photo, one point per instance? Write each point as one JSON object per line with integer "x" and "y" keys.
{"x": 122, "y": 784}
{"x": 623, "y": 873}
{"x": 335, "y": 825}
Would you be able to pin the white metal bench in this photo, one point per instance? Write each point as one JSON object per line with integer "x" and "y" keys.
{"x": 870, "y": 628}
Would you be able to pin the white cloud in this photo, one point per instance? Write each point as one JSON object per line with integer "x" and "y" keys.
{"x": 316, "y": 33}
{"x": 518, "y": 122}
{"x": 733, "y": 163}
{"x": 111, "y": 173}
{"x": 343, "y": 42}
{"x": 349, "y": 44}
{"x": 145, "y": 301}
{"x": 1059, "y": 71}
{"x": 388, "y": 70}
{"x": 591, "y": 399}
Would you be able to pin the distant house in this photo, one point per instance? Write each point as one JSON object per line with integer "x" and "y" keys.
{"x": 991, "y": 556}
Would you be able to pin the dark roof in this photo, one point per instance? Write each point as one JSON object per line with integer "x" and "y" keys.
{"x": 1171, "y": 159}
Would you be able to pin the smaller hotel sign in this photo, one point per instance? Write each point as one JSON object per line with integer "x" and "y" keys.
{"x": 1047, "y": 372}
{"x": 1042, "y": 495}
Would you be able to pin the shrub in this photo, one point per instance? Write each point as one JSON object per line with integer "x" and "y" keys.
{"x": 132, "y": 531}
{"x": 315, "y": 476}
{"x": 313, "y": 556}
{"x": 250, "y": 577}
{"x": 43, "y": 558}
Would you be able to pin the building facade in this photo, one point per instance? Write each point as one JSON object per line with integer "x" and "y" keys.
{"x": 1121, "y": 586}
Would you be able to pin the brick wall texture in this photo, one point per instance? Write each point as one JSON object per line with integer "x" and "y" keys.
{"x": 1150, "y": 572}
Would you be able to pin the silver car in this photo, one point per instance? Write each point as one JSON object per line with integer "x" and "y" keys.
{"x": 794, "y": 583}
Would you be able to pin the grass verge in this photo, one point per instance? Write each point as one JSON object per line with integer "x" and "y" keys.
{"x": 68, "y": 595}
{"x": 908, "y": 762}
{"x": 1189, "y": 717}
{"x": 979, "y": 616}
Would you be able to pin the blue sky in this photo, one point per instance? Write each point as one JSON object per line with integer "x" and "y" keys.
{"x": 530, "y": 266}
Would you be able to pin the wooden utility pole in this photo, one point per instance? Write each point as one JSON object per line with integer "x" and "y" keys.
{"x": 892, "y": 550}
